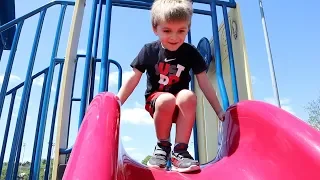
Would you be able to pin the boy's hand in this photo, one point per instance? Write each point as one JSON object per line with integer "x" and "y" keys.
{"x": 221, "y": 115}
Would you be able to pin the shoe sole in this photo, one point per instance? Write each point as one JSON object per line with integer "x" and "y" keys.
{"x": 183, "y": 170}
{"x": 155, "y": 166}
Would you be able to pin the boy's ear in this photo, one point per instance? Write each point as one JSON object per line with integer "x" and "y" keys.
{"x": 154, "y": 29}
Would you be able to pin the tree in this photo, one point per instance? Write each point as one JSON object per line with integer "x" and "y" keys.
{"x": 146, "y": 159}
{"x": 313, "y": 109}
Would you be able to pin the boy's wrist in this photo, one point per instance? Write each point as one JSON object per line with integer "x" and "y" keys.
{"x": 218, "y": 110}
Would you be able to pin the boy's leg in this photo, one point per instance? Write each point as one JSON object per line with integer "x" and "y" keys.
{"x": 161, "y": 108}
{"x": 182, "y": 161}
{"x": 163, "y": 113}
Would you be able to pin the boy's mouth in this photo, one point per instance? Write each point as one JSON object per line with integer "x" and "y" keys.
{"x": 173, "y": 43}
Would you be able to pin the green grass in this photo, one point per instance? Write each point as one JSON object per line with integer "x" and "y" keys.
{"x": 24, "y": 168}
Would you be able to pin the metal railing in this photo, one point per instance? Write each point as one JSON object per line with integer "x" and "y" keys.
{"x": 90, "y": 92}
{"x": 48, "y": 73}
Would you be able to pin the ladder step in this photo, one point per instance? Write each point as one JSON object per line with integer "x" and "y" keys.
{"x": 61, "y": 169}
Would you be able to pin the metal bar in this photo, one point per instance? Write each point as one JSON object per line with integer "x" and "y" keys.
{"x": 131, "y": 6}
{"x": 76, "y": 99}
{"x": 81, "y": 56}
{"x": 6, "y": 131}
{"x": 218, "y": 3}
{"x": 15, "y": 172}
{"x": 6, "y": 77}
{"x": 92, "y": 80}
{"x": 230, "y": 4}
{"x": 270, "y": 59}
{"x": 34, "y": 12}
{"x": 59, "y": 60}
{"x": 195, "y": 130}
{"x": 1, "y": 51}
{"x": 230, "y": 53}
{"x": 66, "y": 84}
{"x": 21, "y": 84}
{"x": 47, "y": 94}
{"x": 17, "y": 143}
{"x": 38, "y": 124}
{"x": 202, "y": 12}
{"x": 71, "y": 103}
{"x": 86, "y": 73}
{"x": 54, "y": 114}
{"x": 219, "y": 74}
{"x": 66, "y": 151}
{"x": 147, "y": 6}
{"x": 104, "y": 69}
{"x": 95, "y": 51}
{"x": 120, "y": 72}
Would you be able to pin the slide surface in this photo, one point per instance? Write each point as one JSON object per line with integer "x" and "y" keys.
{"x": 261, "y": 141}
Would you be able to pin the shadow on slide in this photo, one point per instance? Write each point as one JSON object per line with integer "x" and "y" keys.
{"x": 261, "y": 141}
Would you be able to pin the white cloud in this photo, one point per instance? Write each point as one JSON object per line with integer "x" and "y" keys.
{"x": 284, "y": 102}
{"x": 81, "y": 51}
{"x": 126, "y": 138}
{"x": 38, "y": 81}
{"x": 13, "y": 78}
{"x": 113, "y": 77}
{"x": 136, "y": 115}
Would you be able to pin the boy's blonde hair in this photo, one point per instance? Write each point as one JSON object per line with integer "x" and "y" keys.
{"x": 171, "y": 10}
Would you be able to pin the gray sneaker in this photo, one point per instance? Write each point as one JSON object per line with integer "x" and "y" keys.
{"x": 160, "y": 155}
{"x": 182, "y": 161}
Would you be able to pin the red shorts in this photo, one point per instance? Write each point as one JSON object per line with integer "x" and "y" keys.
{"x": 151, "y": 102}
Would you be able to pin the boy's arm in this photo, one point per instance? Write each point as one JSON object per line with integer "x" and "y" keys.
{"x": 128, "y": 86}
{"x": 209, "y": 92}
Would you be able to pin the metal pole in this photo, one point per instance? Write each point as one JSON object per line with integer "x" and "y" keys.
{"x": 270, "y": 60}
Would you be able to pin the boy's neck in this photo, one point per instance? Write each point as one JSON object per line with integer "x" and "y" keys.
{"x": 165, "y": 47}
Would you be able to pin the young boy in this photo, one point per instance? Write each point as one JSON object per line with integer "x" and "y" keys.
{"x": 167, "y": 63}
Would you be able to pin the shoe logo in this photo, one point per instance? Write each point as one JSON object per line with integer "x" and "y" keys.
{"x": 168, "y": 60}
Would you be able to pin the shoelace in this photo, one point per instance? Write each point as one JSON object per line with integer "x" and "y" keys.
{"x": 161, "y": 155}
{"x": 184, "y": 154}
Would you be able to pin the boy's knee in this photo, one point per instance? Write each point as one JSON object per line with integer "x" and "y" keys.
{"x": 186, "y": 97}
{"x": 165, "y": 102}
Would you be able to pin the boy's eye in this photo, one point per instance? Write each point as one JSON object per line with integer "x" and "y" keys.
{"x": 166, "y": 31}
{"x": 181, "y": 31}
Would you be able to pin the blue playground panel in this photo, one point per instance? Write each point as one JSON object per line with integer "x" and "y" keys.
{"x": 7, "y": 9}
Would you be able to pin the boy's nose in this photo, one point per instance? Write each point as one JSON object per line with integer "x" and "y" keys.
{"x": 173, "y": 36}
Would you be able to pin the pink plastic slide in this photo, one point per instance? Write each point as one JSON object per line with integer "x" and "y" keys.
{"x": 260, "y": 141}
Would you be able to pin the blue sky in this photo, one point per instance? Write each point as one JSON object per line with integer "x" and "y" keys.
{"x": 293, "y": 35}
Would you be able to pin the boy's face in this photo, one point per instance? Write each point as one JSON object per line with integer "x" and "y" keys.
{"x": 172, "y": 34}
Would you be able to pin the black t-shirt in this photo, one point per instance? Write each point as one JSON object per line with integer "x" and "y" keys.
{"x": 168, "y": 71}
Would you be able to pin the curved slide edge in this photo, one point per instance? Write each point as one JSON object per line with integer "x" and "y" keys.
{"x": 261, "y": 141}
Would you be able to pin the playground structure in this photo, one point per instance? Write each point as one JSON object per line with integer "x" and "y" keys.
{"x": 257, "y": 140}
